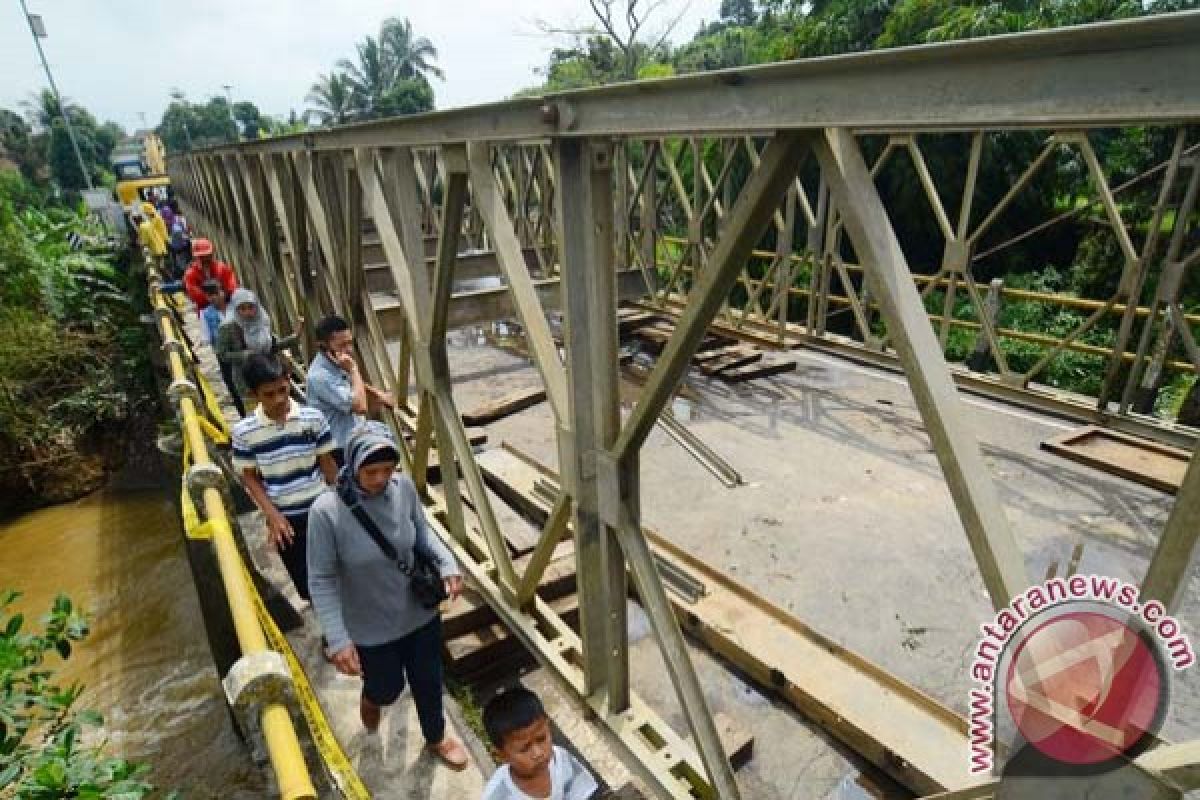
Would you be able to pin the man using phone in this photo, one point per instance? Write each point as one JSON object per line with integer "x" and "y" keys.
{"x": 336, "y": 388}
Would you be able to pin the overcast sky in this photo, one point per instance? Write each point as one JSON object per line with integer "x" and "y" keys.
{"x": 120, "y": 58}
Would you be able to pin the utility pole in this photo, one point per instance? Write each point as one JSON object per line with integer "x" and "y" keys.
{"x": 38, "y": 31}
{"x": 229, "y": 95}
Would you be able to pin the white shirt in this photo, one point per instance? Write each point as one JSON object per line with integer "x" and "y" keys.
{"x": 569, "y": 780}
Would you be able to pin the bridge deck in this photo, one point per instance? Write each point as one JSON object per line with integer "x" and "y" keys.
{"x": 845, "y": 522}
{"x": 841, "y": 482}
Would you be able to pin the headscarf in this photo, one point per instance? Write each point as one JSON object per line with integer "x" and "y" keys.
{"x": 151, "y": 213}
{"x": 364, "y": 441}
{"x": 167, "y": 214}
{"x": 257, "y": 329}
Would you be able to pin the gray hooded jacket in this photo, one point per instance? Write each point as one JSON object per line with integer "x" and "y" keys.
{"x": 359, "y": 595}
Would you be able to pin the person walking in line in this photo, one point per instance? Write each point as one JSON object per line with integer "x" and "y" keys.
{"x": 151, "y": 213}
{"x": 148, "y": 238}
{"x": 205, "y": 267}
{"x": 179, "y": 246}
{"x": 376, "y": 572}
{"x": 336, "y": 387}
{"x": 245, "y": 331}
{"x": 282, "y": 452}
{"x": 214, "y": 313}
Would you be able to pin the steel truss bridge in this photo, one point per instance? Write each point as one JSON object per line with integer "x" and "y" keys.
{"x": 583, "y": 200}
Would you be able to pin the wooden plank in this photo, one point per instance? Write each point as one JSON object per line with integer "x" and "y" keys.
{"x": 471, "y": 612}
{"x": 713, "y": 342}
{"x": 895, "y": 726}
{"x": 503, "y": 407}
{"x": 476, "y": 436}
{"x": 631, "y": 319}
{"x": 730, "y": 363}
{"x": 520, "y": 534}
{"x": 492, "y": 650}
{"x": 750, "y": 373}
{"x": 720, "y": 352}
{"x": 1140, "y": 460}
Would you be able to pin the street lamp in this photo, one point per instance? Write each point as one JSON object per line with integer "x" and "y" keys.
{"x": 38, "y": 30}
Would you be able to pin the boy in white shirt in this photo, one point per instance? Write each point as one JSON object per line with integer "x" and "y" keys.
{"x": 534, "y": 767}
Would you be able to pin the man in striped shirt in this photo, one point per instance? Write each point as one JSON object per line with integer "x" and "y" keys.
{"x": 283, "y": 451}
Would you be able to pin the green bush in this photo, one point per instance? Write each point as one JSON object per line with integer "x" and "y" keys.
{"x": 43, "y": 750}
{"x": 74, "y": 359}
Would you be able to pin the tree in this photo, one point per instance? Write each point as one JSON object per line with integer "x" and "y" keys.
{"x": 407, "y": 96}
{"x": 626, "y": 25}
{"x": 42, "y": 109}
{"x": 589, "y": 63}
{"x": 186, "y": 125}
{"x": 17, "y": 145}
{"x": 370, "y": 78}
{"x": 410, "y": 56}
{"x": 387, "y": 79}
{"x": 249, "y": 117}
{"x": 331, "y": 100}
{"x": 49, "y": 136}
{"x": 63, "y": 163}
{"x": 738, "y": 12}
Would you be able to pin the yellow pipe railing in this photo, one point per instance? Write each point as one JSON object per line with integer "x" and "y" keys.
{"x": 282, "y": 743}
{"x": 1040, "y": 339}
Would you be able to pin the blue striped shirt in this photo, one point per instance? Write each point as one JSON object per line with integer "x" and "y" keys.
{"x": 285, "y": 454}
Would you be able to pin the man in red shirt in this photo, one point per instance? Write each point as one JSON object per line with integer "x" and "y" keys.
{"x": 204, "y": 268}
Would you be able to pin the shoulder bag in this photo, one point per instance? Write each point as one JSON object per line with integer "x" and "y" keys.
{"x": 422, "y": 573}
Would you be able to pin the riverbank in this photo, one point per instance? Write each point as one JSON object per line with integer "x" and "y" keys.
{"x": 77, "y": 397}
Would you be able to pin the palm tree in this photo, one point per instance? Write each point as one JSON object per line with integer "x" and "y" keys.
{"x": 410, "y": 56}
{"x": 370, "y": 78}
{"x": 332, "y": 98}
{"x": 388, "y": 77}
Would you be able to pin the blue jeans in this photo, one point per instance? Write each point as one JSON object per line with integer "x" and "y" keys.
{"x": 417, "y": 657}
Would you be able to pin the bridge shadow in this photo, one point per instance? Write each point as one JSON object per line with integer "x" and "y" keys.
{"x": 1062, "y": 496}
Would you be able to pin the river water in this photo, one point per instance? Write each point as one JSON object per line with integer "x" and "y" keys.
{"x": 145, "y": 664}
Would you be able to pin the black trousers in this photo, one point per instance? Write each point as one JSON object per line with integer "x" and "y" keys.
{"x": 295, "y": 555}
{"x": 231, "y": 385}
{"x": 416, "y": 657}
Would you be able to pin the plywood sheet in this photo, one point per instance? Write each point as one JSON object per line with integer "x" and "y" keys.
{"x": 1140, "y": 460}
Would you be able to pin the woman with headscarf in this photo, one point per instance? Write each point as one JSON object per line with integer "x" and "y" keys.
{"x": 376, "y": 621}
{"x": 245, "y": 331}
{"x": 160, "y": 227}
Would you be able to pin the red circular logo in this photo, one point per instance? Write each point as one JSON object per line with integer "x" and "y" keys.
{"x": 1084, "y": 687}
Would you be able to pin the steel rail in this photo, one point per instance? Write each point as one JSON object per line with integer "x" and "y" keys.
{"x": 1138, "y": 70}
{"x": 282, "y": 743}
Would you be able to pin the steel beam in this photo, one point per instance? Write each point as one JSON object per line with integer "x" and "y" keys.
{"x": 584, "y": 172}
{"x": 970, "y": 483}
{"x": 1166, "y": 577}
{"x": 485, "y": 305}
{"x": 1138, "y": 70}
{"x": 468, "y": 267}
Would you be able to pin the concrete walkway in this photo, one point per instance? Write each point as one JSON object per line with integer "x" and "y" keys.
{"x": 393, "y": 762}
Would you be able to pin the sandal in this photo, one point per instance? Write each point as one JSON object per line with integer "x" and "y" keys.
{"x": 451, "y": 752}
{"x": 369, "y": 713}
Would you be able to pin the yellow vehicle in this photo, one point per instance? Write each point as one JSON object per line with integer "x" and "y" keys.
{"x": 132, "y": 193}
{"x": 140, "y": 165}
